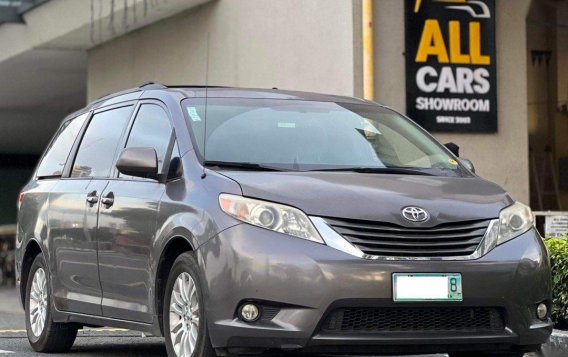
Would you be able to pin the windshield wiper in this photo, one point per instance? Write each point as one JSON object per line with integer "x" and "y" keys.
{"x": 379, "y": 170}
{"x": 240, "y": 165}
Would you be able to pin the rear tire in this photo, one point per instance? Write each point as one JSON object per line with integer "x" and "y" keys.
{"x": 44, "y": 334}
{"x": 184, "y": 311}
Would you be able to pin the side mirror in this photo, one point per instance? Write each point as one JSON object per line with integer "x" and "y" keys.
{"x": 468, "y": 164}
{"x": 138, "y": 162}
{"x": 455, "y": 149}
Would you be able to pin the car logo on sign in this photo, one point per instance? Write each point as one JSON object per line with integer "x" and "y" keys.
{"x": 415, "y": 214}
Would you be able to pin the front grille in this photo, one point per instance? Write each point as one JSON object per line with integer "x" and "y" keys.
{"x": 391, "y": 240}
{"x": 417, "y": 319}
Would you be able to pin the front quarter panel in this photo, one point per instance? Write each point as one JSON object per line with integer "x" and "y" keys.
{"x": 189, "y": 209}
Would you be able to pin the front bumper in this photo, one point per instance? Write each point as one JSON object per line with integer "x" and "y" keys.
{"x": 302, "y": 281}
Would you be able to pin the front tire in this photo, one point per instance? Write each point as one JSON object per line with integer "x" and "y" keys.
{"x": 44, "y": 334}
{"x": 185, "y": 325}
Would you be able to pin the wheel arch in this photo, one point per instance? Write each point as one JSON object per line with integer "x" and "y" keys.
{"x": 173, "y": 248}
{"x": 33, "y": 249}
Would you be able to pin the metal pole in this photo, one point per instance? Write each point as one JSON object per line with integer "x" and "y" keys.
{"x": 368, "y": 51}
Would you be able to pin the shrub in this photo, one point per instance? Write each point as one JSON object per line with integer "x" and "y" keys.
{"x": 558, "y": 251}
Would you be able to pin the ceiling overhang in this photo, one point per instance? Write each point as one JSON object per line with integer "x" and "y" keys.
{"x": 43, "y": 58}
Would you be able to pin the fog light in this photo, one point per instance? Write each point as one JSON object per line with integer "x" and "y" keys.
{"x": 249, "y": 312}
{"x": 542, "y": 311}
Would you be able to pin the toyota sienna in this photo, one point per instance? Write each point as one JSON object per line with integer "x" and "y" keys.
{"x": 235, "y": 221}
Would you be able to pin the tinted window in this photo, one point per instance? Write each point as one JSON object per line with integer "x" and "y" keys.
{"x": 56, "y": 156}
{"x": 98, "y": 147}
{"x": 151, "y": 129}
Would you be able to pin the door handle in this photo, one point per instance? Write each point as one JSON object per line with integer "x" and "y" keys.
{"x": 108, "y": 200}
{"x": 92, "y": 197}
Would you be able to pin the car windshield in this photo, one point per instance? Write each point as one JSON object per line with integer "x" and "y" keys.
{"x": 295, "y": 135}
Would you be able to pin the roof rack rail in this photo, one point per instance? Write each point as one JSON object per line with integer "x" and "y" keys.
{"x": 146, "y": 86}
{"x": 112, "y": 95}
{"x": 194, "y": 86}
{"x": 152, "y": 85}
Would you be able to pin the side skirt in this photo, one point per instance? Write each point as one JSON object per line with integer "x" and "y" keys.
{"x": 84, "y": 319}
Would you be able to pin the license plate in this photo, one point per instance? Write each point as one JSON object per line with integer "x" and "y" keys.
{"x": 427, "y": 287}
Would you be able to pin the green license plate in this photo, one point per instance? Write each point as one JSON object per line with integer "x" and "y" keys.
{"x": 427, "y": 287}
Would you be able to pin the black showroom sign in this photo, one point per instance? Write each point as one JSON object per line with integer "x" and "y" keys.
{"x": 451, "y": 65}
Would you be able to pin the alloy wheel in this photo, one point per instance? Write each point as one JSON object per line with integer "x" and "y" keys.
{"x": 184, "y": 316}
{"x": 38, "y": 302}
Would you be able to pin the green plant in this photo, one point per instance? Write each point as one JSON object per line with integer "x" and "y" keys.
{"x": 558, "y": 251}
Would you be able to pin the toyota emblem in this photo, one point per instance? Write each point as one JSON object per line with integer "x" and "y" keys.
{"x": 415, "y": 214}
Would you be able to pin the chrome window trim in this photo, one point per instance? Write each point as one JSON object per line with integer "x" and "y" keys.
{"x": 335, "y": 240}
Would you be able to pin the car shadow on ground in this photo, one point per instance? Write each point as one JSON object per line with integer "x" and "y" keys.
{"x": 124, "y": 347}
{"x": 135, "y": 346}
{"x": 150, "y": 347}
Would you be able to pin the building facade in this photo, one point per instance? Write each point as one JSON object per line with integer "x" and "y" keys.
{"x": 60, "y": 54}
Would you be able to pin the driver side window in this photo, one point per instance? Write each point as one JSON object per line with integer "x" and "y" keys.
{"x": 151, "y": 128}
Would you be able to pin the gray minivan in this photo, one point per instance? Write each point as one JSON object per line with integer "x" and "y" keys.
{"x": 235, "y": 221}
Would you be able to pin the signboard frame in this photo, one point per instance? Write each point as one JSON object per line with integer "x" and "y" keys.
{"x": 451, "y": 65}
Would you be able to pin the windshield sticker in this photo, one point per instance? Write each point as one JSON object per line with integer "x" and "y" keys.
{"x": 192, "y": 111}
{"x": 453, "y": 162}
{"x": 287, "y": 125}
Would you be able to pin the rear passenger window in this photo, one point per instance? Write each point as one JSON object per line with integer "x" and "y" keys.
{"x": 152, "y": 129}
{"x": 98, "y": 147}
{"x": 56, "y": 155}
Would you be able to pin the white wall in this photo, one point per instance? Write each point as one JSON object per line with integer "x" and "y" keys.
{"x": 292, "y": 44}
{"x": 502, "y": 157}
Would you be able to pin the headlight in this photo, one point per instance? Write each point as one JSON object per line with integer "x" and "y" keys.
{"x": 273, "y": 216}
{"x": 514, "y": 221}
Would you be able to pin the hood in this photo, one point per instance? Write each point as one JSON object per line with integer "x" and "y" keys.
{"x": 376, "y": 197}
